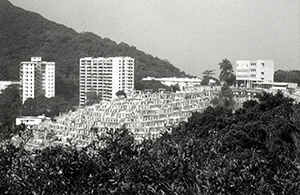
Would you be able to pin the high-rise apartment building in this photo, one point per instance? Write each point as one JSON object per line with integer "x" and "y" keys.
{"x": 37, "y": 77}
{"x": 254, "y": 71}
{"x": 104, "y": 77}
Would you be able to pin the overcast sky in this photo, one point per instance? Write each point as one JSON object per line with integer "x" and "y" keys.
{"x": 194, "y": 35}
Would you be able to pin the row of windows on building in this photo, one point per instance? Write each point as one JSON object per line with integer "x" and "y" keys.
{"x": 251, "y": 64}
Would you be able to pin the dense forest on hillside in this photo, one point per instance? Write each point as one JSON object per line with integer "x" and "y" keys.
{"x": 25, "y": 34}
{"x": 292, "y": 76}
{"x": 11, "y": 106}
{"x": 254, "y": 150}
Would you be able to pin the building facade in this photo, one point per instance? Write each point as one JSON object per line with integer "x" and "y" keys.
{"x": 37, "y": 78}
{"x": 183, "y": 83}
{"x": 31, "y": 120}
{"x": 104, "y": 77}
{"x": 254, "y": 71}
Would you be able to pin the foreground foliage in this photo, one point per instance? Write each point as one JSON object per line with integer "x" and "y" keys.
{"x": 254, "y": 150}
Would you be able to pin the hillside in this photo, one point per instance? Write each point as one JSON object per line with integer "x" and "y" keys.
{"x": 24, "y": 34}
{"x": 254, "y": 150}
{"x": 291, "y": 76}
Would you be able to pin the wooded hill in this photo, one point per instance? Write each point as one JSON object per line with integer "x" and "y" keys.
{"x": 24, "y": 34}
{"x": 290, "y": 76}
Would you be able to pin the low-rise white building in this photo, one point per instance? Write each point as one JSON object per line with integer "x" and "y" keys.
{"x": 181, "y": 82}
{"x": 254, "y": 71}
{"x": 275, "y": 85}
{"x": 31, "y": 120}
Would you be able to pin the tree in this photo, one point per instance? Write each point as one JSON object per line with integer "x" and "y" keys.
{"x": 10, "y": 104}
{"x": 291, "y": 76}
{"x": 224, "y": 98}
{"x": 121, "y": 93}
{"x": 36, "y": 106}
{"x": 93, "y": 98}
{"x": 207, "y": 75}
{"x": 153, "y": 85}
{"x": 49, "y": 107}
{"x": 226, "y": 73}
{"x": 175, "y": 87}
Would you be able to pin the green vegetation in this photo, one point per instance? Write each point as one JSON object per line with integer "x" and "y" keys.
{"x": 93, "y": 98}
{"x": 207, "y": 75}
{"x": 155, "y": 86}
{"x": 226, "y": 74}
{"x": 25, "y": 34}
{"x": 254, "y": 150}
{"x": 292, "y": 76}
{"x": 121, "y": 93}
{"x": 49, "y": 107}
{"x": 224, "y": 98}
{"x": 10, "y": 105}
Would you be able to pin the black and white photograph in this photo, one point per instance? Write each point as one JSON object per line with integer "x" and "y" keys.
{"x": 154, "y": 97}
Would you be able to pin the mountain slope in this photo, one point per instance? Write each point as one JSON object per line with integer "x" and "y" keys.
{"x": 24, "y": 34}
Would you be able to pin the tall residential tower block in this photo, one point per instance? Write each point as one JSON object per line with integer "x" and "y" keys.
{"x": 104, "y": 77}
{"x": 37, "y": 78}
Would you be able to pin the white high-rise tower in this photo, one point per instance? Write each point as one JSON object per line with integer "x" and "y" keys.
{"x": 37, "y": 77}
{"x": 105, "y": 77}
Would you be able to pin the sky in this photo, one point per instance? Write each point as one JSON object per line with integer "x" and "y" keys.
{"x": 193, "y": 35}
